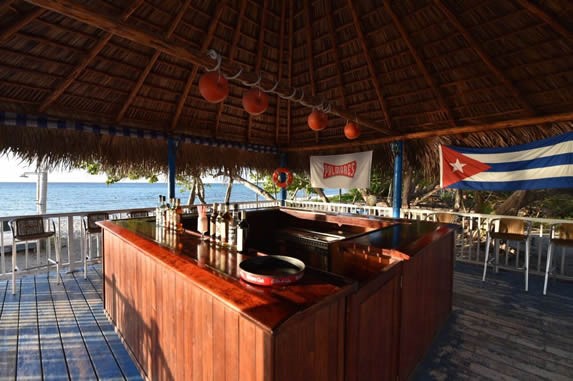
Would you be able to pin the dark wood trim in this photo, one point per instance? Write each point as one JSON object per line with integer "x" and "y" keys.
{"x": 501, "y": 125}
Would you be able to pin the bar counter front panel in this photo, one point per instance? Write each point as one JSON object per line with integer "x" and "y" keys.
{"x": 370, "y": 302}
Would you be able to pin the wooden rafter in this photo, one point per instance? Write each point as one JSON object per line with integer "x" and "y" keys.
{"x": 193, "y": 74}
{"x": 112, "y": 24}
{"x": 547, "y": 18}
{"x": 9, "y": 30}
{"x": 236, "y": 37}
{"x": 484, "y": 56}
{"x": 280, "y": 71}
{"x": 94, "y": 51}
{"x": 310, "y": 53}
{"x": 5, "y": 5}
{"x": 260, "y": 50}
{"x": 135, "y": 89}
{"x": 420, "y": 63}
{"x": 338, "y": 66}
{"x": 370, "y": 64}
{"x": 502, "y": 125}
{"x": 290, "y": 42}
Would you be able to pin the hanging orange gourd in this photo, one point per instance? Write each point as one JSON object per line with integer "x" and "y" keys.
{"x": 214, "y": 87}
{"x": 317, "y": 120}
{"x": 351, "y": 130}
{"x": 255, "y": 101}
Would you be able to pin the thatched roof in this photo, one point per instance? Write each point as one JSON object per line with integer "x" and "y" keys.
{"x": 472, "y": 72}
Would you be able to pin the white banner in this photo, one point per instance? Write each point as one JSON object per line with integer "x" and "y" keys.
{"x": 341, "y": 171}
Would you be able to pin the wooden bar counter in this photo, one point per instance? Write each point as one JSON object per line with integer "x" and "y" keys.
{"x": 370, "y": 301}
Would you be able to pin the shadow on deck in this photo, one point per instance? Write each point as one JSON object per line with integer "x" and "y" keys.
{"x": 496, "y": 330}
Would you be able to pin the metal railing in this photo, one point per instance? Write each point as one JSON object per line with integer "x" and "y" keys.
{"x": 70, "y": 232}
{"x": 470, "y": 240}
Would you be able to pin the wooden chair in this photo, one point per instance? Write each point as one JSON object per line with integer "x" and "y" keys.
{"x": 137, "y": 213}
{"x": 561, "y": 235}
{"x": 508, "y": 229}
{"x": 444, "y": 217}
{"x": 30, "y": 229}
{"x": 91, "y": 229}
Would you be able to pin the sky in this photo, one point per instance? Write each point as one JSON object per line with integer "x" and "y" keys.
{"x": 11, "y": 168}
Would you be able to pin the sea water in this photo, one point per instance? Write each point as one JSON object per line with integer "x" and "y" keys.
{"x": 20, "y": 198}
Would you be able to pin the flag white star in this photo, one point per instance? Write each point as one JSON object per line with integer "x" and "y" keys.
{"x": 458, "y": 166}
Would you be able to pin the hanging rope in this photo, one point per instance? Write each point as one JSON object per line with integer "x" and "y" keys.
{"x": 236, "y": 75}
{"x": 212, "y": 53}
{"x": 254, "y": 84}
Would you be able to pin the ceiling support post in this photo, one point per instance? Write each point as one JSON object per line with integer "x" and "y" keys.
{"x": 171, "y": 170}
{"x": 398, "y": 150}
{"x": 283, "y": 192}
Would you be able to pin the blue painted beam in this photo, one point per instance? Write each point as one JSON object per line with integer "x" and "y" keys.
{"x": 283, "y": 192}
{"x": 397, "y": 149}
{"x": 171, "y": 170}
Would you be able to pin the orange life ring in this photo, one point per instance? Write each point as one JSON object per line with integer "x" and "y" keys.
{"x": 288, "y": 177}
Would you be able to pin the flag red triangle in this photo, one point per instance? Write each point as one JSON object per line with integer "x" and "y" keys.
{"x": 457, "y": 166}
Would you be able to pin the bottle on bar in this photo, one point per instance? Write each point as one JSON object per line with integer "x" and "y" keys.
{"x": 158, "y": 212}
{"x": 227, "y": 217}
{"x": 220, "y": 225}
{"x": 232, "y": 239}
{"x": 163, "y": 213}
{"x": 242, "y": 231}
{"x": 178, "y": 216}
{"x": 213, "y": 223}
{"x": 172, "y": 214}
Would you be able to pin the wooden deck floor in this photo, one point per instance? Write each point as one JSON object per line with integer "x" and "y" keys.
{"x": 496, "y": 331}
{"x": 59, "y": 332}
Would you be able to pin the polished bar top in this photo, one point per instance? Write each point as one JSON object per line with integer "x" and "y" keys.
{"x": 214, "y": 269}
{"x": 357, "y": 258}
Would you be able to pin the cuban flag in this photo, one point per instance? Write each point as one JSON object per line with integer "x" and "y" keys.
{"x": 542, "y": 164}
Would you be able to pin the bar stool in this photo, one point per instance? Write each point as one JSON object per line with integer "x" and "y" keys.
{"x": 508, "y": 229}
{"x": 30, "y": 229}
{"x": 90, "y": 230}
{"x": 561, "y": 235}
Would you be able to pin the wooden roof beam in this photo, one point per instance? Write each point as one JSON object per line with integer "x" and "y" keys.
{"x": 5, "y": 5}
{"x": 310, "y": 56}
{"x": 502, "y": 125}
{"x": 290, "y": 66}
{"x": 260, "y": 50}
{"x": 547, "y": 18}
{"x": 417, "y": 57}
{"x": 135, "y": 89}
{"x": 370, "y": 63}
{"x": 27, "y": 18}
{"x": 94, "y": 51}
{"x": 280, "y": 71}
{"x": 112, "y": 24}
{"x": 193, "y": 74}
{"x": 484, "y": 56}
{"x": 232, "y": 52}
{"x": 337, "y": 64}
